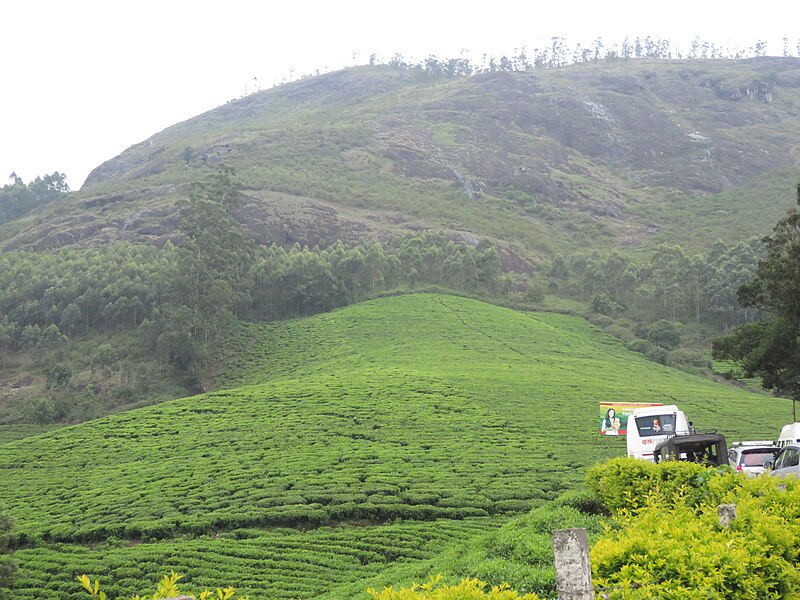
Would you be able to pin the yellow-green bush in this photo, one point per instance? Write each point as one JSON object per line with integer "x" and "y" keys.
{"x": 166, "y": 588}
{"x": 670, "y": 543}
{"x": 627, "y": 483}
{"x": 467, "y": 589}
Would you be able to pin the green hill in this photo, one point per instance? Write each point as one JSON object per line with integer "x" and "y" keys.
{"x": 411, "y": 408}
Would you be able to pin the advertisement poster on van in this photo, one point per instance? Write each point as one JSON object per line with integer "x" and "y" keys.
{"x": 614, "y": 416}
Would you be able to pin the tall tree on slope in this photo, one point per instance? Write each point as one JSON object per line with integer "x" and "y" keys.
{"x": 770, "y": 348}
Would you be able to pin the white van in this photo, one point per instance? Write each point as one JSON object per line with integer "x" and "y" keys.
{"x": 790, "y": 434}
{"x": 651, "y": 425}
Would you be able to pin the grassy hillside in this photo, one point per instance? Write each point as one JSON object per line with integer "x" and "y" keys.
{"x": 416, "y": 407}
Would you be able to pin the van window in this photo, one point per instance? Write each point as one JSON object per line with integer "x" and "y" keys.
{"x": 655, "y": 425}
{"x": 789, "y": 457}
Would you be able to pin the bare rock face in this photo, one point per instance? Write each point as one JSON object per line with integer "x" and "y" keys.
{"x": 108, "y": 170}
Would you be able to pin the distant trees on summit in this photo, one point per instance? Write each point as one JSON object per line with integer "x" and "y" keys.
{"x": 559, "y": 53}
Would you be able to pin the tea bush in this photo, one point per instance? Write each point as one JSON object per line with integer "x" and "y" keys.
{"x": 520, "y": 552}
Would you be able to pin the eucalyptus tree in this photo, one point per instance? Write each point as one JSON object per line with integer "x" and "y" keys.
{"x": 770, "y": 347}
{"x": 212, "y": 273}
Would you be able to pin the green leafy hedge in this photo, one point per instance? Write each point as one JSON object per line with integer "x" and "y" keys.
{"x": 629, "y": 483}
{"x": 467, "y": 589}
{"x": 666, "y": 541}
{"x": 166, "y": 588}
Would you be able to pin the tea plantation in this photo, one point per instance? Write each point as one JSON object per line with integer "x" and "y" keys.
{"x": 281, "y": 563}
{"x": 347, "y": 444}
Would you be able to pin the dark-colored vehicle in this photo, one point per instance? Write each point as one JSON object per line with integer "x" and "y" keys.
{"x": 787, "y": 462}
{"x": 710, "y": 449}
{"x": 749, "y": 457}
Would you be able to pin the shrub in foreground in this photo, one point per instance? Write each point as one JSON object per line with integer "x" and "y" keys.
{"x": 627, "y": 483}
{"x": 467, "y": 589}
{"x": 670, "y": 544}
{"x": 167, "y": 588}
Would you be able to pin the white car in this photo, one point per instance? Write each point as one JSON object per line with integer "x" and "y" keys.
{"x": 749, "y": 457}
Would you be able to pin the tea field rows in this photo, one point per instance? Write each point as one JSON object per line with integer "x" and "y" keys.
{"x": 412, "y": 408}
{"x": 283, "y": 563}
{"x": 384, "y": 446}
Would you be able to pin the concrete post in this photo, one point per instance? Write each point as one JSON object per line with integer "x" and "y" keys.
{"x": 726, "y": 513}
{"x": 573, "y": 569}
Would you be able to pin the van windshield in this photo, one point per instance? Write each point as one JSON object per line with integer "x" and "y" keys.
{"x": 655, "y": 425}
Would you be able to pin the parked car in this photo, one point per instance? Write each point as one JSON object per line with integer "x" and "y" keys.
{"x": 749, "y": 457}
{"x": 709, "y": 449}
{"x": 787, "y": 462}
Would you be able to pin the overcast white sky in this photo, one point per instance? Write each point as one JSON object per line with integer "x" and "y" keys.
{"x": 82, "y": 80}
